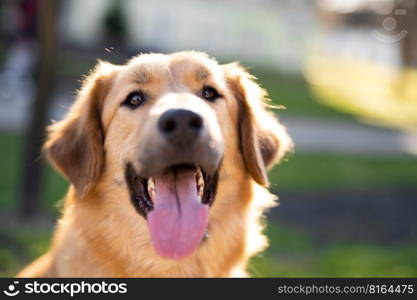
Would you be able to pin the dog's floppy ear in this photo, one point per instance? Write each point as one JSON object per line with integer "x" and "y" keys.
{"x": 74, "y": 145}
{"x": 263, "y": 140}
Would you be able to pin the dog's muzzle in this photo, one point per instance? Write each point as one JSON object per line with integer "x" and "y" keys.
{"x": 174, "y": 181}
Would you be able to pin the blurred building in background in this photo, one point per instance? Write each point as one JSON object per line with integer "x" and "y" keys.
{"x": 265, "y": 33}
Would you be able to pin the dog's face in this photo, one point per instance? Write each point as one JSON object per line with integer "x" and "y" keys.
{"x": 174, "y": 129}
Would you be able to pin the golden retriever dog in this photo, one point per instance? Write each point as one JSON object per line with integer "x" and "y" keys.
{"x": 167, "y": 157}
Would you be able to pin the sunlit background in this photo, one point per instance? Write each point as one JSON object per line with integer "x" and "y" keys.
{"x": 346, "y": 71}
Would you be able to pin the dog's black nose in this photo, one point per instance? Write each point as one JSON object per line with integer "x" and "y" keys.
{"x": 180, "y": 126}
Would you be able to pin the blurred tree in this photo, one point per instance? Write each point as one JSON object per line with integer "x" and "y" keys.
{"x": 32, "y": 164}
{"x": 114, "y": 23}
{"x": 409, "y": 42}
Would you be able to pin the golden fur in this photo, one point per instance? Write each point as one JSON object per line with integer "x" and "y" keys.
{"x": 100, "y": 234}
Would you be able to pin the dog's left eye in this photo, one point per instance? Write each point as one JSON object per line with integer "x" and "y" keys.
{"x": 209, "y": 93}
{"x": 134, "y": 99}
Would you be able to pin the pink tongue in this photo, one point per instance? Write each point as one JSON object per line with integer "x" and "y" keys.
{"x": 178, "y": 220}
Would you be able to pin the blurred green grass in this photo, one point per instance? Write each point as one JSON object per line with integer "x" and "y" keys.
{"x": 319, "y": 171}
{"x": 21, "y": 245}
{"x": 294, "y": 94}
{"x": 10, "y": 157}
{"x": 294, "y": 254}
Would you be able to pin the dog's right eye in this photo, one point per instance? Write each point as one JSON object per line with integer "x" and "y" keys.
{"x": 134, "y": 99}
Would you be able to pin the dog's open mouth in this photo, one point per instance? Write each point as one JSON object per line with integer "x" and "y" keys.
{"x": 176, "y": 206}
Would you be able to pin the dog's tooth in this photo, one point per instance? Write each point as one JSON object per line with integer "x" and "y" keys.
{"x": 200, "y": 183}
{"x": 199, "y": 174}
{"x": 200, "y": 179}
{"x": 151, "y": 187}
{"x": 151, "y": 182}
{"x": 200, "y": 189}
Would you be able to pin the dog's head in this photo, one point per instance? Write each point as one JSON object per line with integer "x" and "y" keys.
{"x": 169, "y": 129}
